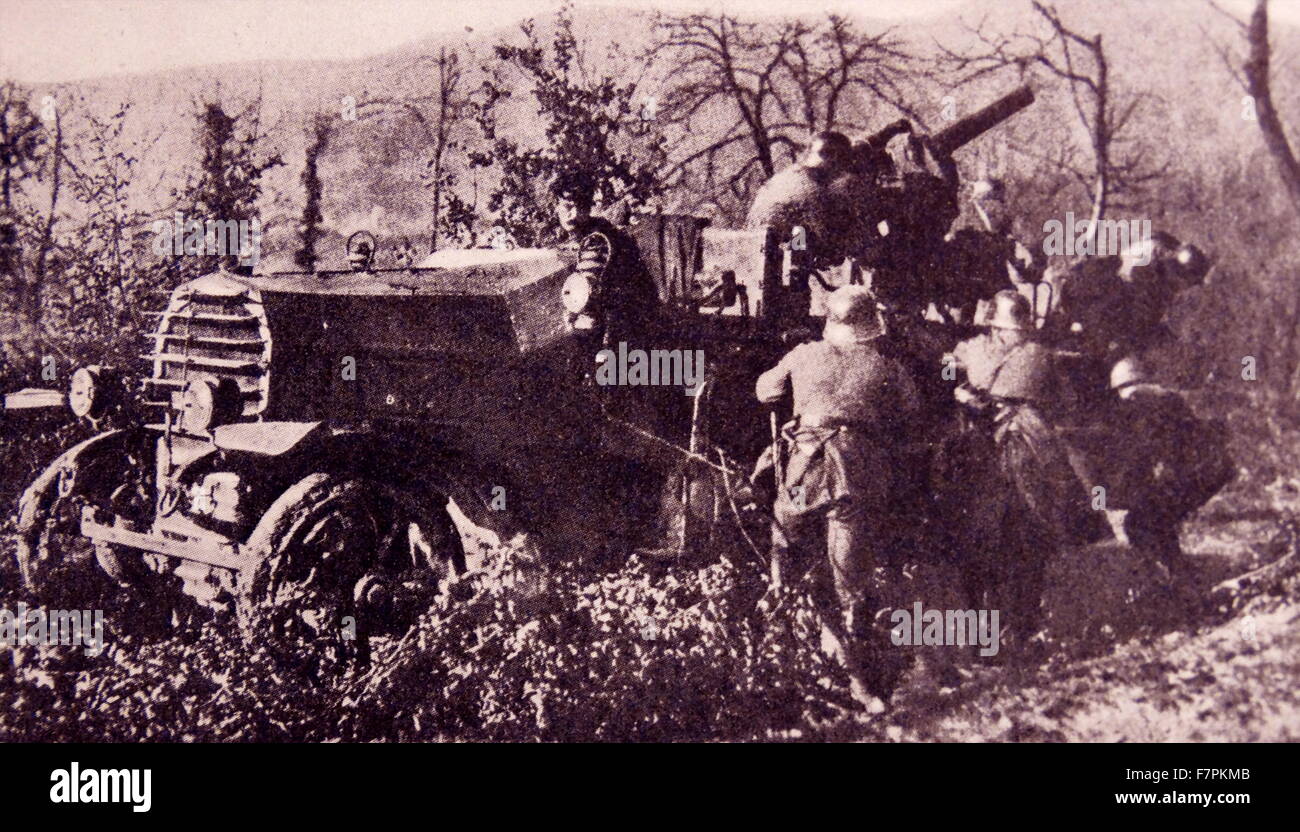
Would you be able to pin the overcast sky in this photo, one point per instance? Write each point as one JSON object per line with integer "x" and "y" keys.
{"x": 60, "y": 40}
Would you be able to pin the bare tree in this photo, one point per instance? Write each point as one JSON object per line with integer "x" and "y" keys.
{"x": 33, "y": 306}
{"x": 437, "y": 114}
{"x": 775, "y": 84}
{"x": 22, "y": 148}
{"x": 32, "y": 151}
{"x": 105, "y": 269}
{"x": 1255, "y": 78}
{"x": 1119, "y": 164}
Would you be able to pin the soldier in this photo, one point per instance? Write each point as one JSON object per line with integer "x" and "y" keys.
{"x": 915, "y": 207}
{"x": 809, "y": 207}
{"x": 621, "y": 299}
{"x": 1116, "y": 305}
{"x": 1172, "y": 464}
{"x": 797, "y": 195}
{"x": 1004, "y": 478}
{"x": 982, "y": 261}
{"x": 850, "y": 405}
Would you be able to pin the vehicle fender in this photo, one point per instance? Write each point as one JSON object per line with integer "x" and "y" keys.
{"x": 264, "y": 438}
{"x": 64, "y": 476}
{"x": 69, "y": 475}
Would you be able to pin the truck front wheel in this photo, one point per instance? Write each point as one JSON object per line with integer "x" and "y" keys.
{"x": 337, "y": 560}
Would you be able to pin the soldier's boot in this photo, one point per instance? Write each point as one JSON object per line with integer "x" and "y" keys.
{"x": 1021, "y": 602}
{"x": 883, "y": 663}
{"x": 864, "y": 687}
{"x": 1159, "y": 540}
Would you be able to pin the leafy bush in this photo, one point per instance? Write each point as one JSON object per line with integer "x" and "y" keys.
{"x": 508, "y": 653}
{"x": 646, "y": 653}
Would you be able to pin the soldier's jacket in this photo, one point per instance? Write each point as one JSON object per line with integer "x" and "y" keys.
{"x": 1027, "y": 458}
{"x": 829, "y": 213}
{"x": 854, "y": 384}
{"x": 1024, "y": 371}
{"x": 976, "y": 264}
{"x": 850, "y": 404}
{"x": 1116, "y": 316}
{"x": 1164, "y": 457}
{"x": 611, "y": 261}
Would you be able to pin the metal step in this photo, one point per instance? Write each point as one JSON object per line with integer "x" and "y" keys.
{"x": 207, "y": 317}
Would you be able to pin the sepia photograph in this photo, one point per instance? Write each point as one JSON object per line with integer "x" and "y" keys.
{"x": 650, "y": 371}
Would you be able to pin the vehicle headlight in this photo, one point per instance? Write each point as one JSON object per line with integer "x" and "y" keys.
{"x": 206, "y": 403}
{"x": 85, "y": 395}
{"x": 576, "y": 293}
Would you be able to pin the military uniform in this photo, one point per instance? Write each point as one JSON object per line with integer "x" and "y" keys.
{"x": 1172, "y": 463}
{"x": 1115, "y": 306}
{"x": 850, "y": 405}
{"x": 1004, "y": 477}
{"x": 977, "y": 263}
{"x": 628, "y": 299}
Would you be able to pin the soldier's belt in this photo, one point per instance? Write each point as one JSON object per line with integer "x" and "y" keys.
{"x": 835, "y": 424}
{"x": 832, "y": 425}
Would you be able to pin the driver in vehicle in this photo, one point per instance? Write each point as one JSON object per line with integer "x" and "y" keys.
{"x": 610, "y": 292}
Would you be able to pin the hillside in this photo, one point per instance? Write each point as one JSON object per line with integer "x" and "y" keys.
{"x": 1157, "y": 48}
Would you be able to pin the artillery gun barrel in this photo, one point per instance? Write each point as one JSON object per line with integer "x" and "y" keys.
{"x": 877, "y": 141}
{"x": 981, "y": 121}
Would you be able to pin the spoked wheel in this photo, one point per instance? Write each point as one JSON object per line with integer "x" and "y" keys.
{"x": 58, "y": 565}
{"x": 337, "y": 561}
{"x": 55, "y": 561}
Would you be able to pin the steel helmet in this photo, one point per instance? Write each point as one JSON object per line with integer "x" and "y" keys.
{"x": 852, "y": 316}
{"x": 1011, "y": 310}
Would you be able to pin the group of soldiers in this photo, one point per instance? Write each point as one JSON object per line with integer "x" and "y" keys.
{"x": 941, "y": 389}
{"x": 1003, "y": 379}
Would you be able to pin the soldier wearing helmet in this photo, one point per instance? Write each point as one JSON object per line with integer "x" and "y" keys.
{"x": 812, "y": 208}
{"x": 1154, "y": 272}
{"x": 1116, "y": 305}
{"x": 1168, "y": 464}
{"x": 1003, "y": 479}
{"x": 983, "y": 260}
{"x": 850, "y": 405}
{"x": 798, "y": 195}
{"x": 1007, "y": 361}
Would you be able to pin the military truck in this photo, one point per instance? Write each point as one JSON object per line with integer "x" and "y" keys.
{"x": 309, "y": 436}
{"x": 315, "y": 442}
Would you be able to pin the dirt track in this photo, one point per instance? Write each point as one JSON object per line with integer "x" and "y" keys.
{"x": 1128, "y": 659}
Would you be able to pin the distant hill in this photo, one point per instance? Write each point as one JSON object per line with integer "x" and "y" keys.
{"x": 1156, "y": 46}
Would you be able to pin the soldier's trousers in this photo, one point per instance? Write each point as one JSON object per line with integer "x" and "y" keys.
{"x": 842, "y": 537}
{"x": 827, "y": 519}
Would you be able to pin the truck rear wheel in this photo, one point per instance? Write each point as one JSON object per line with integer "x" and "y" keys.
{"x": 338, "y": 560}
